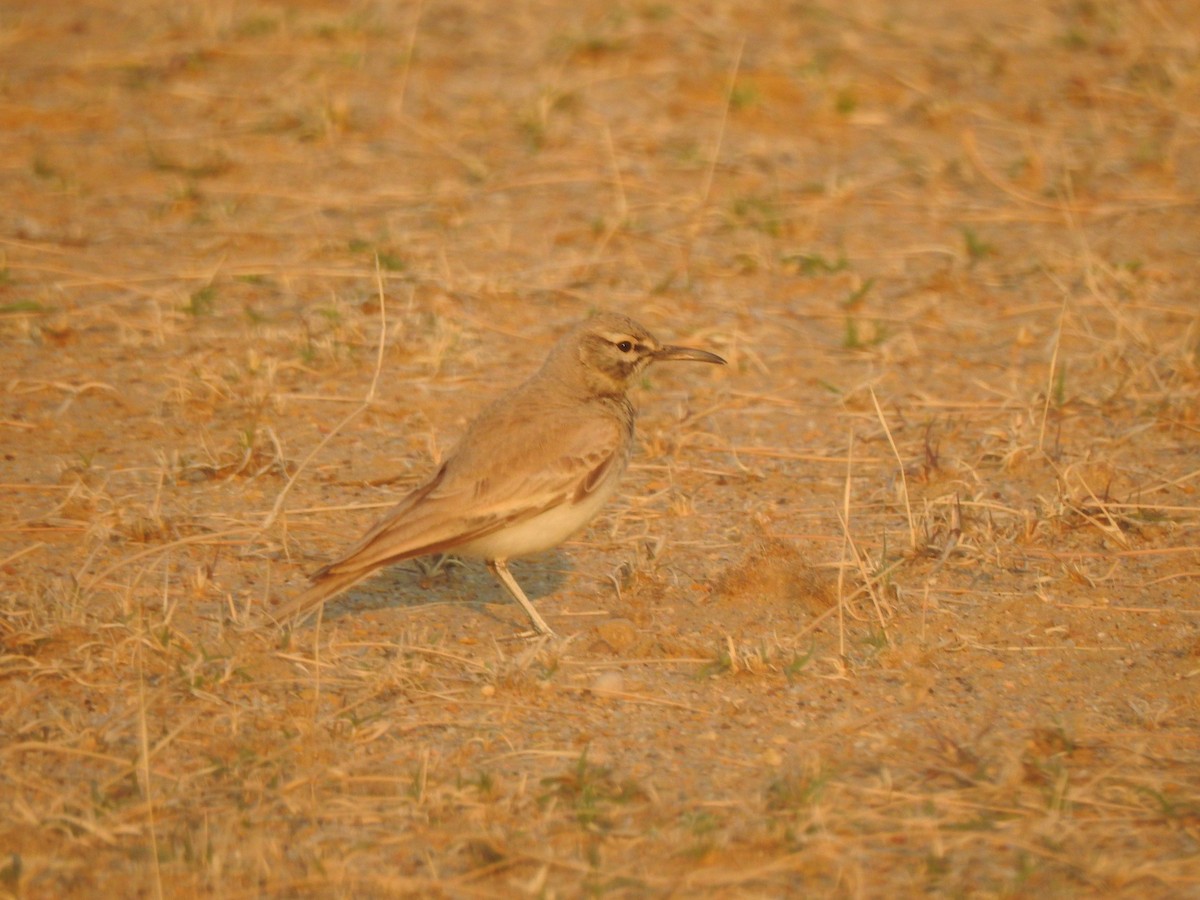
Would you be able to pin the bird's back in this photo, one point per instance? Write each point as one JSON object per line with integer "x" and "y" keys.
{"x": 522, "y": 455}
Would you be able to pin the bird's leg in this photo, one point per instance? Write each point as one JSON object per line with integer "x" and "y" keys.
{"x": 499, "y": 568}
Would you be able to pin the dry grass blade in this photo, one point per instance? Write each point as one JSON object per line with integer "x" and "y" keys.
{"x": 349, "y": 417}
{"x": 912, "y": 528}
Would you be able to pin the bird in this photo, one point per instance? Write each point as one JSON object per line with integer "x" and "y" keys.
{"x": 532, "y": 469}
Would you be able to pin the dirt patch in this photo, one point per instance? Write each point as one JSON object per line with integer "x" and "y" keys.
{"x": 902, "y": 601}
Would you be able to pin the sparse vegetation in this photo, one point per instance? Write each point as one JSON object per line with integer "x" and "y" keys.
{"x": 902, "y": 602}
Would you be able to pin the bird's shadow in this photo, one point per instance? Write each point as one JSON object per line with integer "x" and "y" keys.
{"x": 429, "y": 582}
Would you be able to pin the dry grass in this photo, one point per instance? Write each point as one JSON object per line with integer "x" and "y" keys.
{"x": 904, "y": 602}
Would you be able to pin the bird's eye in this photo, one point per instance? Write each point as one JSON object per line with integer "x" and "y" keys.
{"x": 625, "y": 346}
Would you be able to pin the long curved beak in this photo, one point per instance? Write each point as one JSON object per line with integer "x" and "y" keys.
{"x": 668, "y": 352}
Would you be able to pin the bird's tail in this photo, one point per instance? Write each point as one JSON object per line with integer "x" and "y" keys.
{"x": 325, "y": 585}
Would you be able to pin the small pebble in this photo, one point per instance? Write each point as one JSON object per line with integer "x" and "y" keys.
{"x": 620, "y": 634}
{"x": 608, "y": 682}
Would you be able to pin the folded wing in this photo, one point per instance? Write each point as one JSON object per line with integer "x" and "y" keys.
{"x": 459, "y": 505}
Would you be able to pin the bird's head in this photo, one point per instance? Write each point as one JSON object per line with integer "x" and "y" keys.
{"x": 614, "y": 350}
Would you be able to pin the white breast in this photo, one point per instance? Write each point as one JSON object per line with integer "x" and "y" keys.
{"x": 541, "y": 532}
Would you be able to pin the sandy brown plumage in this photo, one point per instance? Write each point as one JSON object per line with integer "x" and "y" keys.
{"x": 532, "y": 469}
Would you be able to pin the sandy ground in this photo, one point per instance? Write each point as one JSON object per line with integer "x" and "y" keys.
{"x": 904, "y": 601}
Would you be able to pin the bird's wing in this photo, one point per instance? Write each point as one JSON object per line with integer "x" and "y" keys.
{"x": 470, "y": 497}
